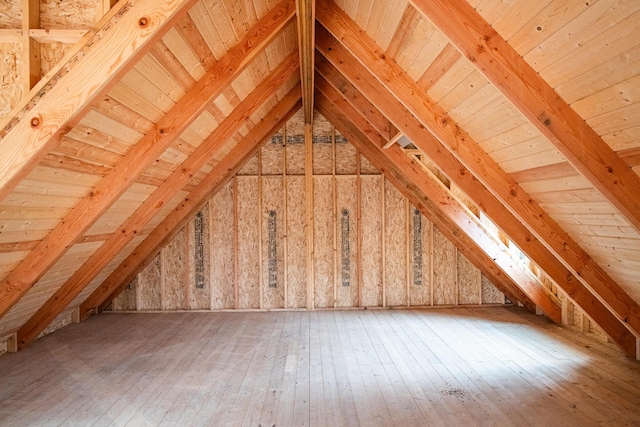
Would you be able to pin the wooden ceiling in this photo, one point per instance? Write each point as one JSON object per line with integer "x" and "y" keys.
{"x": 529, "y": 108}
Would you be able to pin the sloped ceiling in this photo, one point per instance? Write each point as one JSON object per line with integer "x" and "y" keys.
{"x": 530, "y": 109}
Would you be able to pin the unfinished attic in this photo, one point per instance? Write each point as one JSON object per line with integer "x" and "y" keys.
{"x": 360, "y": 212}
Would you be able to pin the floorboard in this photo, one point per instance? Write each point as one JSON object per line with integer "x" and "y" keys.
{"x": 497, "y": 366}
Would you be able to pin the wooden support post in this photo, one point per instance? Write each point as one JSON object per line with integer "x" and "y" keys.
{"x": 75, "y": 315}
{"x": 12, "y": 343}
{"x": 236, "y": 246}
{"x": 260, "y": 231}
{"x": 285, "y": 216}
{"x": 383, "y": 231}
{"x": 308, "y": 175}
{"x": 30, "y": 47}
{"x": 431, "y": 231}
{"x": 407, "y": 247}
{"x": 359, "y": 231}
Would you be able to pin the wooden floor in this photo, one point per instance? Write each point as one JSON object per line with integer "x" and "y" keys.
{"x": 489, "y": 366}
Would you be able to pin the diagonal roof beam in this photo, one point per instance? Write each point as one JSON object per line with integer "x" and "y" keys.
{"x": 169, "y": 227}
{"x": 48, "y": 112}
{"x": 451, "y": 160}
{"x": 306, "y": 18}
{"x": 447, "y": 212}
{"x": 152, "y": 205}
{"x": 538, "y": 102}
{"x": 140, "y": 156}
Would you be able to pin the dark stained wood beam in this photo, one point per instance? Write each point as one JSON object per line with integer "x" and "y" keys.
{"x": 306, "y": 13}
{"x": 140, "y": 156}
{"x": 350, "y": 72}
{"x": 47, "y": 112}
{"x": 538, "y": 102}
{"x": 57, "y": 303}
{"x": 169, "y": 227}
{"x": 445, "y": 211}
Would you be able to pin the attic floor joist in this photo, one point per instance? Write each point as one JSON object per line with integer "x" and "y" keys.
{"x": 468, "y": 153}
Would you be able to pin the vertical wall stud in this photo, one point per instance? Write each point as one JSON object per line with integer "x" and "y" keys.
{"x": 308, "y": 145}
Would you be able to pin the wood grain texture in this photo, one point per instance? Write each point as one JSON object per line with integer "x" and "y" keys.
{"x": 222, "y": 250}
{"x": 371, "y": 229}
{"x": 324, "y": 229}
{"x": 561, "y": 265}
{"x": 296, "y": 244}
{"x": 23, "y": 147}
{"x": 248, "y": 235}
{"x": 212, "y": 145}
{"x": 537, "y": 101}
{"x": 228, "y": 167}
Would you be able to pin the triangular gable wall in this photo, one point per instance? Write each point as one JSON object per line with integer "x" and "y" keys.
{"x": 246, "y": 247}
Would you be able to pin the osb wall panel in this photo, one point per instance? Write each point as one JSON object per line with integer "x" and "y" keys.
{"x": 10, "y": 75}
{"x": 491, "y": 295}
{"x": 248, "y": 235}
{"x": 296, "y": 243}
{"x": 200, "y": 297}
{"x": 323, "y": 158}
{"x": 149, "y": 289}
{"x": 347, "y": 203}
{"x": 273, "y": 242}
{"x": 420, "y": 230}
{"x": 395, "y": 262}
{"x": 51, "y": 53}
{"x": 371, "y": 188}
{"x": 444, "y": 270}
{"x": 222, "y": 250}
{"x": 272, "y": 156}
{"x": 295, "y": 159}
{"x": 250, "y": 168}
{"x": 174, "y": 273}
{"x": 127, "y": 298}
{"x": 346, "y": 159}
{"x": 366, "y": 168}
{"x": 10, "y": 14}
{"x": 323, "y": 233}
{"x": 77, "y": 14}
{"x": 469, "y": 281}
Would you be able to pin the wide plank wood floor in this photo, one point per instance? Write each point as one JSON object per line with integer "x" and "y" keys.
{"x": 487, "y": 366}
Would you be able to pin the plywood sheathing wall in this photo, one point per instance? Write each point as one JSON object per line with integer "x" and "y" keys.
{"x": 372, "y": 248}
{"x": 54, "y": 15}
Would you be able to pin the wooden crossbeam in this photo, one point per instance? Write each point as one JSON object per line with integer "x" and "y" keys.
{"x": 306, "y": 13}
{"x": 47, "y": 112}
{"x": 152, "y": 205}
{"x": 452, "y": 157}
{"x": 538, "y": 102}
{"x": 449, "y": 214}
{"x": 140, "y": 156}
{"x": 169, "y": 227}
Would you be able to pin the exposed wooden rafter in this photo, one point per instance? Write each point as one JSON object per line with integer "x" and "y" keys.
{"x": 457, "y": 155}
{"x": 538, "y": 102}
{"x": 449, "y": 213}
{"x": 147, "y": 150}
{"x": 47, "y": 112}
{"x": 306, "y": 12}
{"x": 152, "y": 205}
{"x": 215, "y": 180}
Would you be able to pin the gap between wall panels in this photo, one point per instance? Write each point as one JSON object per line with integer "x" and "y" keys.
{"x": 372, "y": 248}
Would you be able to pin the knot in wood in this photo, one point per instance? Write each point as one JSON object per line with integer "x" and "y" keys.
{"x": 35, "y": 122}
{"x": 143, "y": 22}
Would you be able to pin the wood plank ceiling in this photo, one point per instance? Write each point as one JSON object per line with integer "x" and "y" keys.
{"x": 529, "y": 108}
